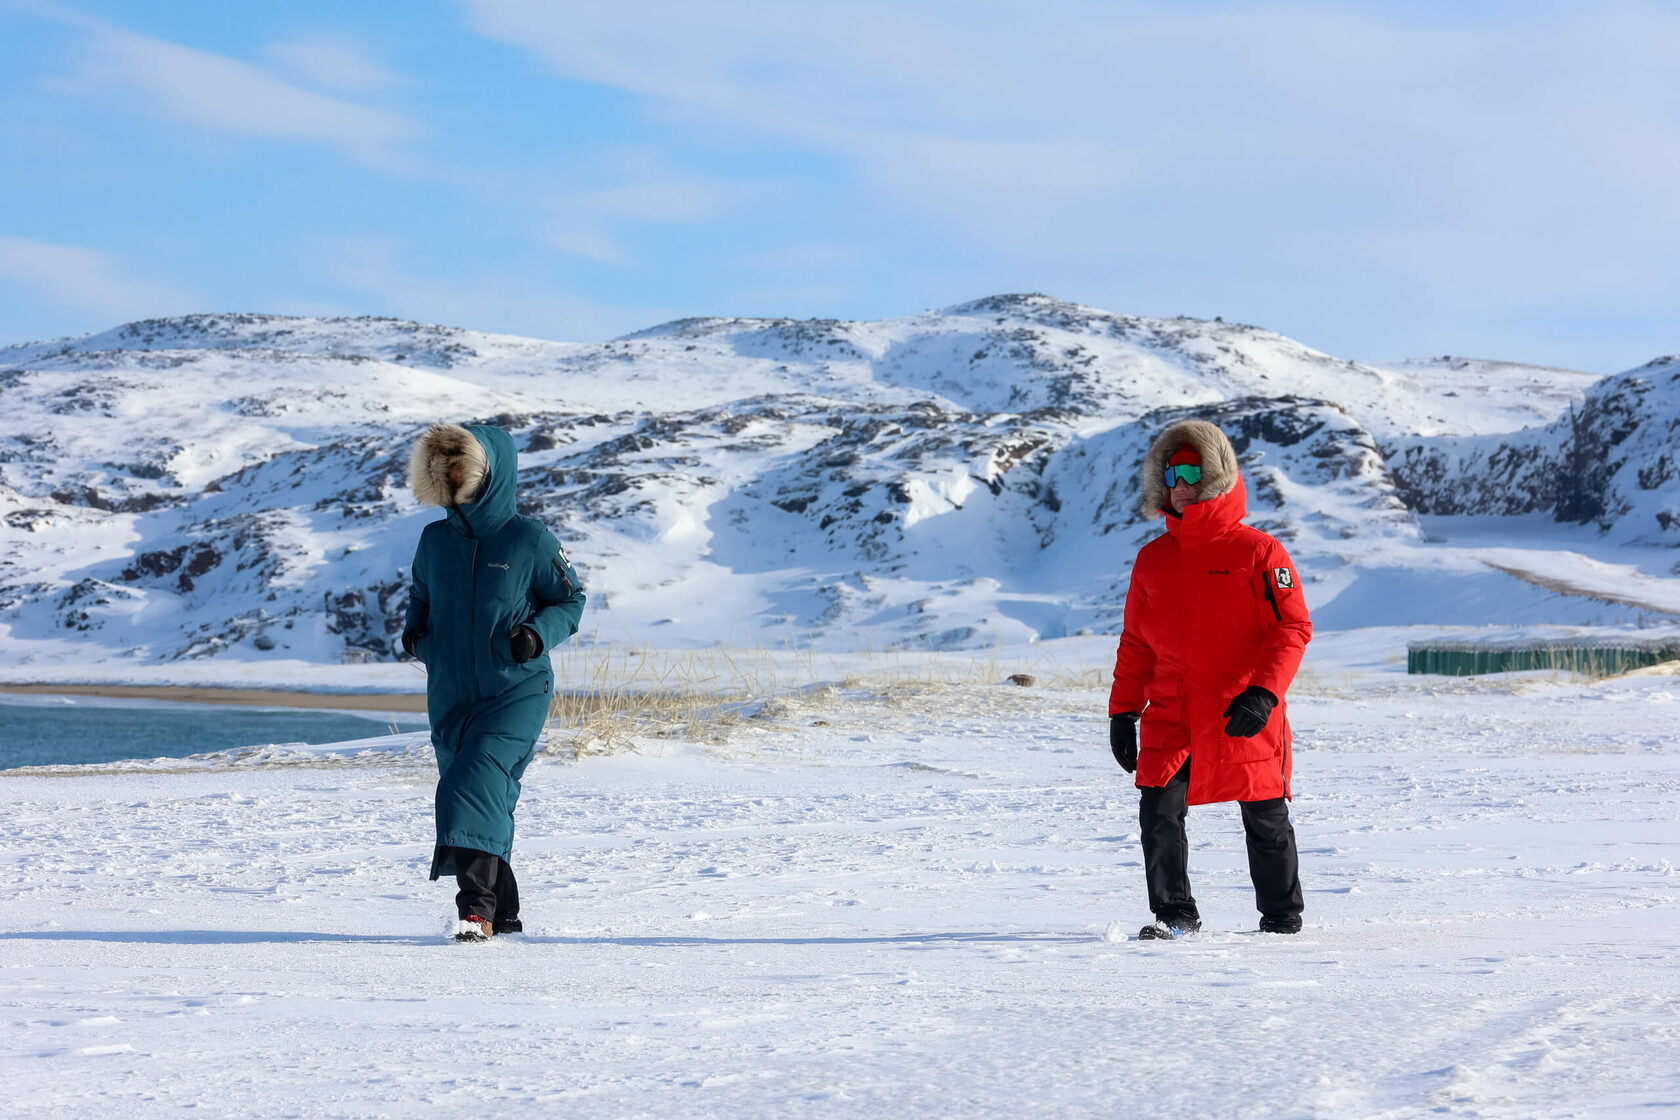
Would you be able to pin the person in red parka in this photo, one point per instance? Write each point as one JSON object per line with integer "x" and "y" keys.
{"x": 1214, "y": 630}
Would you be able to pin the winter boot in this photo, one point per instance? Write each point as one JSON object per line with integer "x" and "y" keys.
{"x": 1290, "y": 924}
{"x": 508, "y": 925}
{"x": 474, "y": 928}
{"x": 1166, "y": 929}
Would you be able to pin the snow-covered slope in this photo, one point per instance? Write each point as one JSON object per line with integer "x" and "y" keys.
{"x": 1611, "y": 460}
{"x": 1454, "y": 396}
{"x": 232, "y": 484}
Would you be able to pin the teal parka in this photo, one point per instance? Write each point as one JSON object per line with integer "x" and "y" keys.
{"x": 478, "y": 575}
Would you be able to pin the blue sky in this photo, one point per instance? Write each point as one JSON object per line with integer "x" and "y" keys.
{"x": 1377, "y": 180}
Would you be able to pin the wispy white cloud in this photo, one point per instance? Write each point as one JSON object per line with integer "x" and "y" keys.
{"x": 205, "y": 90}
{"x": 803, "y": 257}
{"x": 511, "y": 304}
{"x": 587, "y": 222}
{"x": 1070, "y": 98}
{"x": 336, "y": 62}
{"x": 658, "y": 202}
{"x": 1482, "y": 159}
{"x": 570, "y": 236}
{"x": 85, "y": 280}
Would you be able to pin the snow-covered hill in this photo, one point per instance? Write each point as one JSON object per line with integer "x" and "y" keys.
{"x": 232, "y": 485}
{"x": 1612, "y": 460}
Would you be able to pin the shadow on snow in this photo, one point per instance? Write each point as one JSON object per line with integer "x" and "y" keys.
{"x": 303, "y": 937}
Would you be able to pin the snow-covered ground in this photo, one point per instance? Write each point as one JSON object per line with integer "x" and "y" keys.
{"x": 871, "y": 901}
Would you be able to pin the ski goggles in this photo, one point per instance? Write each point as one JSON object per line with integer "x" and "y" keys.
{"x": 1184, "y": 472}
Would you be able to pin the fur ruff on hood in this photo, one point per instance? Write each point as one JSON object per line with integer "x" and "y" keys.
{"x": 434, "y": 453}
{"x": 1219, "y": 463}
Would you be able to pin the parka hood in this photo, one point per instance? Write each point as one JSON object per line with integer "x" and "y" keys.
{"x": 485, "y": 500}
{"x": 1219, "y": 464}
{"x": 434, "y": 453}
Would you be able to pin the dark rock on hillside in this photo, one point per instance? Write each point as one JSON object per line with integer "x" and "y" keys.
{"x": 1610, "y": 462}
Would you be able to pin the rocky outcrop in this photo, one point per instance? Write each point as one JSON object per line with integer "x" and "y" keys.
{"x": 1612, "y": 461}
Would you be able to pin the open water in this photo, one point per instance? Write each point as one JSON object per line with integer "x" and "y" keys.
{"x": 74, "y": 730}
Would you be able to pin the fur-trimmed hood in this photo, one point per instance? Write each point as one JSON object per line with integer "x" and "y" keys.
{"x": 434, "y": 453}
{"x": 485, "y": 500}
{"x": 1219, "y": 463}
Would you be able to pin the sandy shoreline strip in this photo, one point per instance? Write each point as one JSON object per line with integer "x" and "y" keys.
{"x": 251, "y": 697}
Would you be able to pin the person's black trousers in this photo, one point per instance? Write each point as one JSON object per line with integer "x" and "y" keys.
{"x": 488, "y": 888}
{"x": 1166, "y": 849}
{"x": 1273, "y": 863}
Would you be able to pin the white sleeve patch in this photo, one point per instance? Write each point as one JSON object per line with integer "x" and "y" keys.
{"x": 1284, "y": 578}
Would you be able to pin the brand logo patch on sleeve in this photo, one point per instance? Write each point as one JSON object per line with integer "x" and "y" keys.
{"x": 1283, "y": 577}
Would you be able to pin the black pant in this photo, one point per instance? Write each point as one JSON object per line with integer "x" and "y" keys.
{"x": 488, "y": 888}
{"x": 1272, "y": 861}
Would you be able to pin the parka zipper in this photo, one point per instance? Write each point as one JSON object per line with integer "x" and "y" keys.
{"x": 1271, "y": 598}
{"x": 472, "y": 592}
{"x": 472, "y": 609}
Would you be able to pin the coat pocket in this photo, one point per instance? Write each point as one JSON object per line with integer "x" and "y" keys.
{"x": 1260, "y": 748}
{"x": 1164, "y": 727}
{"x": 501, "y": 638}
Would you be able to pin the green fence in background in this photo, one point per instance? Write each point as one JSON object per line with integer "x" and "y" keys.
{"x": 1588, "y": 659}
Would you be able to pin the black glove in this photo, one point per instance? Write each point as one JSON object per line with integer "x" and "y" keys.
{"x": 411, "y": 641}
{"x": 1122, "y": 740}
{"x": 1246, "y": 715}
{"x": 525, "y": 644}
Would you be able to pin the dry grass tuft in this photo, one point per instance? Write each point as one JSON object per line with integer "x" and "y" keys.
{"x": 611, "y": 698}
{"x": 608, "y": 698}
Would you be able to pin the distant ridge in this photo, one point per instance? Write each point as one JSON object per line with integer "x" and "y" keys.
{"x": 231, "y": 485}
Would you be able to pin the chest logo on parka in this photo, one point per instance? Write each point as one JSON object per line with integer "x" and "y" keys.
{"x": 1284, "y": 578}
{"x": 493, "y": 564}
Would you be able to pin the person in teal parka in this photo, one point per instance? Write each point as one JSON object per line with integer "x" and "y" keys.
{"x": 492, "y": 593}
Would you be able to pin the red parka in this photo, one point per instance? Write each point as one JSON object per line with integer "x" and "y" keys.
{"x": 1214, "y": 606}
